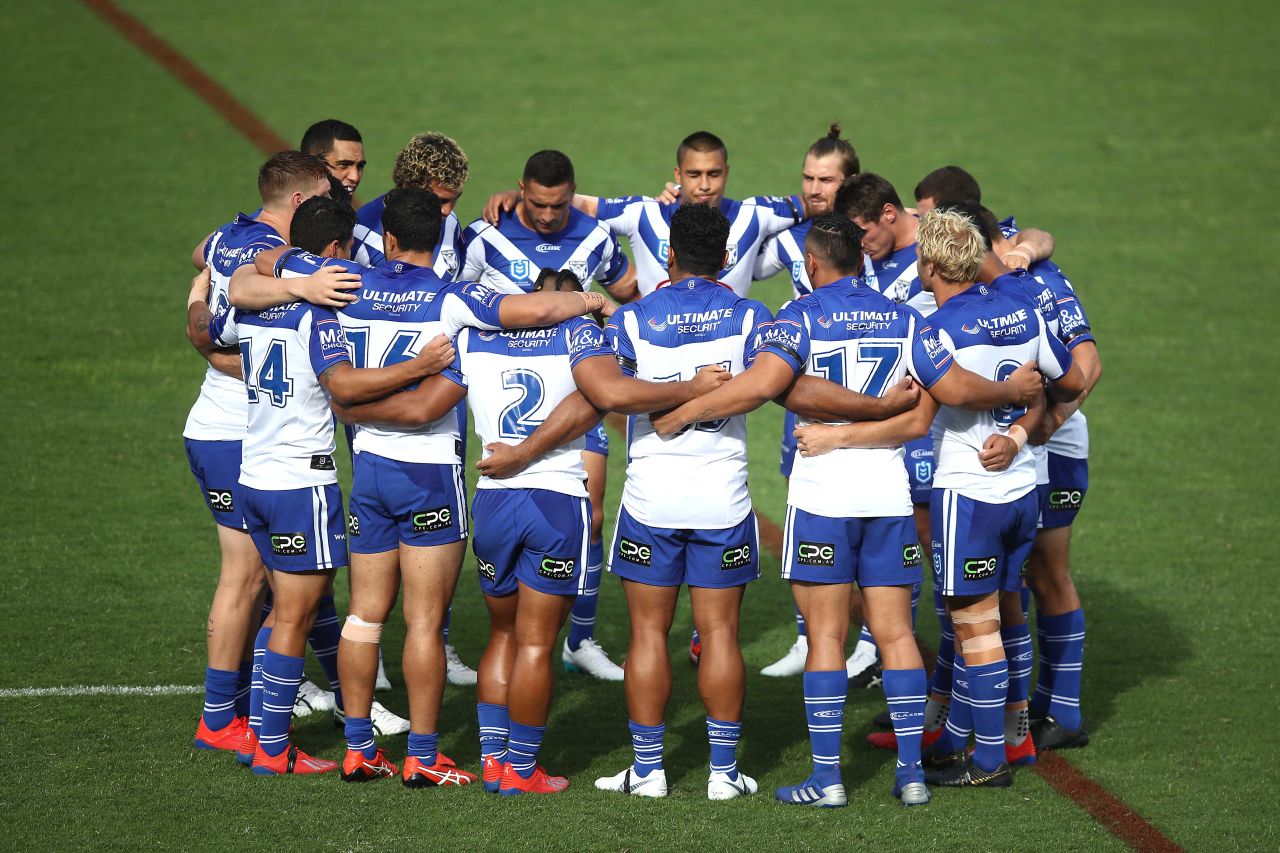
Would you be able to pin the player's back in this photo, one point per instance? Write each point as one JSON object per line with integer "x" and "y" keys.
{"x": 509, "y": 255}
{"x": 698, "y": 478}
{"x": 368, "y": 250}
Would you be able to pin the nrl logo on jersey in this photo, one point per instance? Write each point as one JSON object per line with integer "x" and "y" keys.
{"x": 797, "y": 271}
{"x": 519, "y": 270}
{"x": 663, "y": 245}
{"x": 579, "y": 269}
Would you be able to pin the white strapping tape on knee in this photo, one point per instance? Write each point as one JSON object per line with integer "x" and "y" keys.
{"x": 981, "y": 643}
{"x": 962, "y": 618}
{"x": 357, "y": 630}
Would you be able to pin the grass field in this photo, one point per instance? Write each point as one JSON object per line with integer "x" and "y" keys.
{"x": 1143, "y": 135}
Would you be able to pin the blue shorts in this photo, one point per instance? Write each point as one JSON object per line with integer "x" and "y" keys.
{"x": 788, "y": 444}
{"x": 1063, "y": 496}
{"x": 660, "y": 556}
{"x": 534, "y": 536}
{"x": 978, "y": 547}
{"x": 865, "y": 551}
{"x": 417, "y": 503}
{"x": 297, "y": 530}
{"x": 919, "y": 461}
{"x": 216, "y": 467}
{"x": 598, "y": 440}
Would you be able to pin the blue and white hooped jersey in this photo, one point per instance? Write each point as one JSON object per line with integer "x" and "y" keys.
{"x": 896, "y": 277}
{"x": 698, "y": 478}
{"x": 283, "y": 351}
{"x": 990, "y": 334}
{"x": 1073, "y": 329}
{"x": 508, "y": 256}
{"x": 221, "y": 411}
{"x": 514, "y": 381}
{"x": 401, "y": 307}
{"x": 368, "y": 250}
{"x": 785, "y": 251}
{"x": 848, "y": 334}
{"x": 647, "y": 225}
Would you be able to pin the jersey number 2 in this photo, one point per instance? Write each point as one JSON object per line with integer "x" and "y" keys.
{"x": 515, "y": 421}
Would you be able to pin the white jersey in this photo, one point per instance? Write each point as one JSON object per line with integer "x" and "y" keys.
{"x": 990, "y": 334}
{"x": 697, "y": 479}
{"x": 400, "y": 308}
{"x": 508, "y": 256}
{"x": 646, "y": 223}
{"x": 283, "y": 351}
{"x": 368, "y": 248}
{"x": 221, "y": 410}
{"x": 848, "y": 334}
{"x": 785, "y": 251}
{"x": 514, "y": 381}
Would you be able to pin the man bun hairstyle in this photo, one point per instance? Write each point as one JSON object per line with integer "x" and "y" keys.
{"x": 842, "y": 148}
{"x": 319, "y": 221}
{"x": 951, "y": 242}
{"x": 702, "y": 141}
{"x": 837, "y": 241}
{"x": 431, "y": 158}
{"x": 412, "y": 214}
{"x": 319, "y": 138}
{"x": 550, "y": 168}
{"x": 865, "y": 195}
{"x": 287, "y": 173}
{"x": 948, "y": 184}
{"x": 699, "y": 235}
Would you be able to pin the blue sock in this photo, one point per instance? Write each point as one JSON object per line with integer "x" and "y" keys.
{"x": 495, "y": 728}
{"x": 219, "y": 697}
{"x": 281, "y": 675}
{"x": 244, "y": 680}
{"x": 800, "y": 629}
{"x": 646, "y": 744}
{"x": 1024, "y": 595}
{"x": 255, "y": 683}
{"x": 444, "y": 629}
{"x": 988, "y": 691}
{"x": 824, "y": 696}
{"x": 425, "y": 748}
{"x": 915, "y": 602}
{"x": 904, "y": 691}
{"x": 1018, "y": 654}
{"x": 1064, "y": 639}
{"x": 359, "y": 732}
{"x": 940, "y": 682}
{"x": 1044, "y": 672}
{"x": 324, "y": 642}
{"x": 723, "y": 738}
{"x": 955, "y": 735}
{"x": 523, "y": 746}
{"x": 583, "y": 615}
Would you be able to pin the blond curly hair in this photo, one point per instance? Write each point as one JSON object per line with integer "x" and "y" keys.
{"x": 952, "y": 243}
{"x": 431, "y": 158}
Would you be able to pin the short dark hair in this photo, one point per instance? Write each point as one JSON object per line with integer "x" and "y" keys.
{"x": 549, "y": 279}
{"x": 984, "y": 220}
{"x": 412, "y": 214}
{"x": 338, "y": 191}
{"x": 948, "y": 184}
{"x": 703, "y": 142}
{"x": 319, "y": 221}
{"x": 842, "y": 148}
{"x": 320, "y": 137}
{"x": 865, "y": 196}
{"x": 289, "y": 172}
{"x": 835, "y": 239}
{"x": 549, "y": 168}
{"x": 699, "y": 235}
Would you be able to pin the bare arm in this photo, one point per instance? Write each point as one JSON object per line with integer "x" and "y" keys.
{"x": 568, "y": 420}
{"x": 1056, "y": 414}
{"x": 749, "y": 390}
{"x": 349, "y": 385}
{"x": 434, "y": 398}
{"x": 1070, "y": 386}
{"x": 197, "y": 254}
{"x": 607, "y": 388}
{"x": 625, "y": 289}
{"x": 533, "y": 310}
{"x": 254, "y": 287}
{"x": 999, "y": 451}
{"x": 821, "y": 400}
{"x": 817, "y": 439}
{"x": 967, "y": 390}
{"x": 1032, "y": 244}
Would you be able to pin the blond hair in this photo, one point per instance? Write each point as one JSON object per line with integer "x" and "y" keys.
{"x": 952, "y": 243}
{"x": 430, "y": 158}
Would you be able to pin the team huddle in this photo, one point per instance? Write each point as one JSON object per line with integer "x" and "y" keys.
{"x": 931, "y": 364}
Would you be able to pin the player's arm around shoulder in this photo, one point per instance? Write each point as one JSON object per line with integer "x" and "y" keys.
{"x": 350, "y": 385}
{"x": 284, "y": 274}
{"x": 434, "y": 398}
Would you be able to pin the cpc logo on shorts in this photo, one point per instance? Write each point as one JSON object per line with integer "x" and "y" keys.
{"x": 635, "y": 552}
{"x": 288, "y": 544}
{"x": 353, "y": 524}
{"x": 428, "y": 520}
{"x": 735, "y": 558}
{"x": 980, "y": 568}
{"x": 1061, "y": 500}
{"x": 486, "y": 570}
{"x": 557, "y": 569}
{"x": 816, "y": 553}
{"x": 220, "y": 500}
{"x": 910, "y": 556}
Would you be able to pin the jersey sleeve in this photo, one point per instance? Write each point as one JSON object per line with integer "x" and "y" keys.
{"x": 1073, "y": 323}
{"x": 928, "y": 359}
{"x": 296, "y": 263}
{"x": 768, "y": 260}
{"x": 1053, "y": 359}
{"x": 326, "y": 344}
{"x": 224, "y": 331}
{"x": 469, "y": 304}
{"x": 619, "y": 339}
{"x": 586, "y": 340}
{"x": 258, "y": 244}
{"x": 787, "y": 337}
{"x": 778, "y": 213}
{"x": 1009, "y": 227}
{"x": 759, "y": 321}
{"x": 472, "y": 251}
{"x": 613, "y": 263}
{"x": 620, "y": 215}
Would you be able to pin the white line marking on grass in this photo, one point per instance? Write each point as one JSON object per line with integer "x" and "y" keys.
{"x": 100, "y": 690}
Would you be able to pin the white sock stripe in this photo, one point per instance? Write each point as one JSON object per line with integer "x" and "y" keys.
{"x": 895, "y": 700}
{"x": 831, "y": 728}
{"x": 841, "y": 698}
{"x": 1063, "y": 637}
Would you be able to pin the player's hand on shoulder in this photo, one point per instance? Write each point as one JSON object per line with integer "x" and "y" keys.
{"x": 1017, "y": 258}
{"x": 498, "y": 204}
{"x": 816, "y": 439}
{"x": 504, "y": 460}
{"x": 1027, "y": 384}
{"x": 709, "y": 379}
{"x": 436, "y": 355}
{"x": 998, "y": 452}
{"x": 670, "y": 194}
{"x": 329, "y": 286}
{"x": 900, "y": 397}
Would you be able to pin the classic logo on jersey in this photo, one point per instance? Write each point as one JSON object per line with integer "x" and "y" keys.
{"x": 735, "y": 557}
{"x": 816, "y": 553}
{"x": 663, "y": 245}
{"x": 288, "y": 544}
{"x": 450, "y": 258}
{"x": 557, "y": 569}
{"x": 220, "y": 500}
{"x": 428, "y": 520}
{"x": 639, "y": 553}
{"x": 579, "y": 269}
{"x": 980, "y": 568}
{"x": 519, "y": 270}
{"x": 486, "y": 570}
{"x": 353, "y": 524}
{"x": 546, "y": 248}
{"x": 1062, "y": 500}
{"x": 829, "y": 715}
{"x": 911, "y": 555}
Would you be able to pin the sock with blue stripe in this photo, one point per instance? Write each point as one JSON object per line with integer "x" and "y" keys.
{"x": 955, "y": 734}
{"x": 425, "y": 748}
{"x": 988, "y": 691}
{"x": 219, "y": 697}
{"x": 1064, "y": 640}
{"x": 359, "y": 732}
{"x": 495, "y": 727}
{"x": 281, "y": 675}
{"x": 800, "y": 628}
{"x": 723, "y": 737}
{"x": 904, "y": 692}
{"x": 244, "y": 681}
{"x": 255, "y": 683}
{"x": 583, "y": 615}
{"x": 824, "y": 696}
{"x": 646, "y": 744}
{"x": 1018, "y": 654}
{"x": 523, "y": 746}
{"x": 323, "y": 638}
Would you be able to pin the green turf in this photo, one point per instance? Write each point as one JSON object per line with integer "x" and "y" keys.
{"x": 1142, "y": 135}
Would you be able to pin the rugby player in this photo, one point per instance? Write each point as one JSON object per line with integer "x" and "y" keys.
{"x": 544, "y": 230}
{"x": 341, "y": 148}
{"x": 950, "y": 184}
